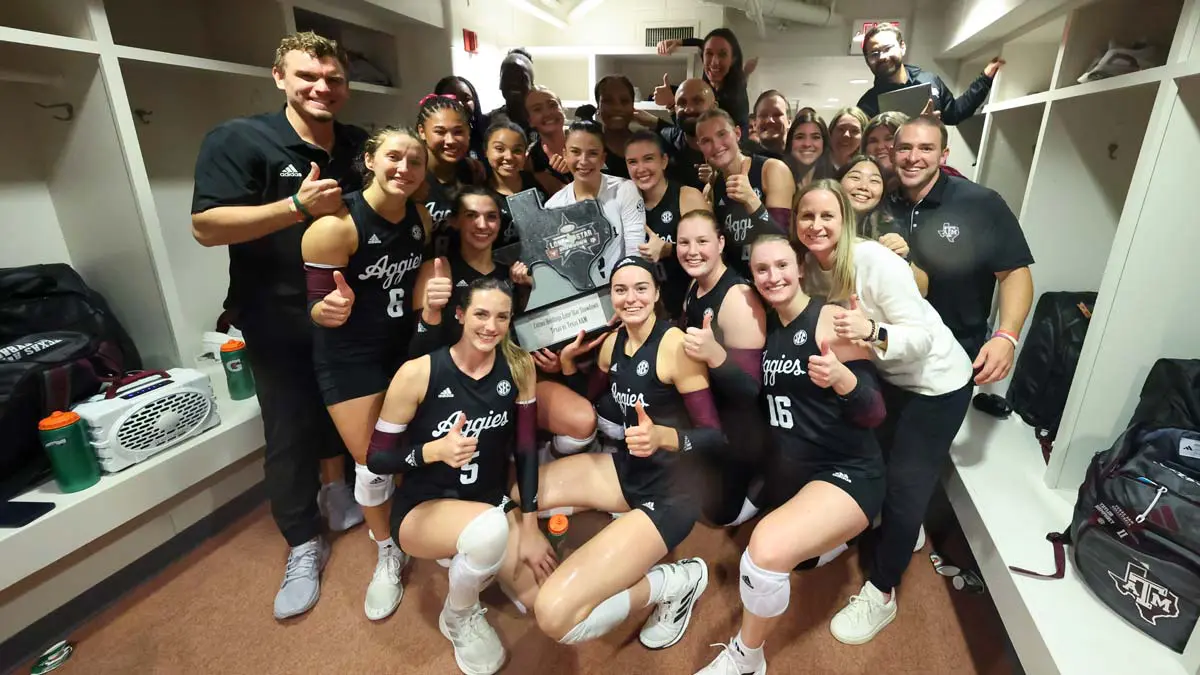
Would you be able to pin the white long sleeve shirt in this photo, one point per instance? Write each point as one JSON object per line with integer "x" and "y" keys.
{"x": 622, "y": 206}
{"x": 922, "y": 355}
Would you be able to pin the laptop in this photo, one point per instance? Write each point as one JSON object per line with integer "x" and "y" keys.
{"x": 909, "y": 100}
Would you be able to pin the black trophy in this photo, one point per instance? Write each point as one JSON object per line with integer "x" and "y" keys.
{"x": 569, "y": 252}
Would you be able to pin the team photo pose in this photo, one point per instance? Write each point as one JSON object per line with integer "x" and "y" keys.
{"x": 726, "y": 327}
{"x": 863, "y": 180}
{"x": 825, "y": 476}
{"x": 926, "y": 384}
{"x": 666, "y": 202}
{"x": 464, "y": 92}
{"x": 506, "y": 156}
{"x": 445, "y": 127}
{"x": 442, "y": 282}
{"x": 547, "y": 157}
{"x": 750, "y": 195}
{"x": 664, "y": 408}
{"x": 360, "y": 265}
{"x": 448, "y": 423}
{"x": 808, "y": 148}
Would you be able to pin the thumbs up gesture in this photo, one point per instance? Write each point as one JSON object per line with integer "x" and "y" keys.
{"x": 336, "y": 305}
{"x": 438, "y": 289}
{"x": 320, "y": 197}
{"x": 852, "y": 323}
{"x": 456, "y": 449}
{"x": 642, "y": 440}
{"x": 701, "y": 345}
{"x": 662, "y": 93}
{"x": 827, "y": 371}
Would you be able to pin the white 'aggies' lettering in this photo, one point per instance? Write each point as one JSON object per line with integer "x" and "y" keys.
{"x": 473, "y": 426}
{"x": 771, "y": 367}
{"x": 737, "y": 228}
{"x": 628, "y": 399}
{"x": 391, "y": 272}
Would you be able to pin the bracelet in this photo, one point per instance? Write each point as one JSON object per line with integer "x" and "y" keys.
{"x": 873, "y": 335}
{"x": 300, "y": 207}
{"x": 1007, "y": 335}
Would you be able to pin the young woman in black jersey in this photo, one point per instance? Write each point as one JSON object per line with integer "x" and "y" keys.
{"x": 360, "y": 265}
{"x": 725, "y": 325}
{"x": 445, "y": 126}
{"x": 448, "y": 423}
{"x": 462, "y": 89}
{"x": 665, "y": 409}
{"x": 665, "y": 201}
{"x": 547, "y": 157}
{"x": 506, "y": 148}
{"x": 808, "y": 148}
{"x": 824, "y": 480}
{"x": 614, "y": 111}
{"x": 749, "y": 195}
{"x": 441, "y": 282}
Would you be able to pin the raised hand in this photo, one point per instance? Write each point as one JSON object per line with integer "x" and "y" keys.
{"x": 704, "y": 172}
{"x": 456, "y": 449}
{"x": 519, "y": 273}
{"x": 546, "y": 360}
{"x": 852, "y": 324}
{"x": 827, "y": 371}
{"x": 701, "y": 345}
{"x": 580, "y": 346}
{"x": 895, "y": 243}
{"x": 319, "y": 197}
{"x": 993, "y": 66}
{"x": 662, "y": 93}
{"x": 438, "y": 289}
{"x": 739, "y": 189}
{"x": 642, "y": 440}
{"x": 668, "y": 47}
{"x": 336, "y": 305}
{"x": 559, "y": 164}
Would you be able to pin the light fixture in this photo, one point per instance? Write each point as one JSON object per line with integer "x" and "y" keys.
{"x": 860, "y": 81}
{"x": 582, "y": 8}
{"x": 832, "y": 100}
{"x": 533, "y": 10}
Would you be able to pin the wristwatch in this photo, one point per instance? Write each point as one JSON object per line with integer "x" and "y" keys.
{"x": 881, "y": 333}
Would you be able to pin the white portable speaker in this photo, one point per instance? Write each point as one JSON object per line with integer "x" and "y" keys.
{"x": 148, "y": 415}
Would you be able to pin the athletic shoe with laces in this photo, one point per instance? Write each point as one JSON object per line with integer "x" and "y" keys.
{"x": 868, "y": 613}
{"x": 337, "y": 504}
{"x": 477, "y": 648}
{"x": 385, "y": 591}
{"x": 729, "y": 663}
{"x": 683, "y": 584}
{"x": 301, "y": 585}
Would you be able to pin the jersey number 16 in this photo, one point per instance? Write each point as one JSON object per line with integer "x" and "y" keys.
{"x": 780, "y": 410}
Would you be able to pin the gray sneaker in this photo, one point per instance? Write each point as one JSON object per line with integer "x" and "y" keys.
{"x": 338, "y": 506}
{"x": 301, "y": 585}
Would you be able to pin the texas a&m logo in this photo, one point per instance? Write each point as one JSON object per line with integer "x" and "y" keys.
{"x": 1153, "y": 600}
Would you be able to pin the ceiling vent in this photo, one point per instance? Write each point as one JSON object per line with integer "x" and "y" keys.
{"x": 658, "y": 34}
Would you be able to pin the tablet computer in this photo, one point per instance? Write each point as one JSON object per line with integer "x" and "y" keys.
{"x": 909, "y": 100}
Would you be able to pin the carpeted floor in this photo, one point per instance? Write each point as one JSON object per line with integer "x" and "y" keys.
{"x": 211, "y": 613}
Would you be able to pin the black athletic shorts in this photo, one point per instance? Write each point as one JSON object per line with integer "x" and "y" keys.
{"x": 860, "y": 477}
{"x": 672, "y": 509}
{"x": 350, "y": 376}
{"x": 412, "y": 494}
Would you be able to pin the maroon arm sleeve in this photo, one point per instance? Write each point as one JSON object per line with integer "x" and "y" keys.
{"x": 526, "y": 454}
{"x": 705, "y": 434}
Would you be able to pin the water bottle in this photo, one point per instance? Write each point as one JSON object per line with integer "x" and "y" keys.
{"x": 64, "y": 437}
{"x": 237, "y": 370}
{"x": 557, "y": 534}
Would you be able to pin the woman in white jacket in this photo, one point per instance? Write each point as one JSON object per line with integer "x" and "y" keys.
{"x": 926, "y": 383}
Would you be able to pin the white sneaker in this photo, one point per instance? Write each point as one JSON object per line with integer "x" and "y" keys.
{"x": 385, "y": 591}
{"x": 337, "y": 505}
{"x": 868, "y": 613}
{"x": 477, "y": 648}
{"x": 1120, "y": 60}
{"x": 683, "y": 584}
{"x": 920, "y": 540}
{"x": 731, "y": 661}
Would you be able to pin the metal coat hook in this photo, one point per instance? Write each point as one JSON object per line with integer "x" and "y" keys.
{"x": 1112, "y": 150}
{"x": 67, "y": 108}
{"x": 143, "y": 115}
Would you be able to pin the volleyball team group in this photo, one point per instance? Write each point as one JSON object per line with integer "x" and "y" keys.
{"x": 772, "y": 358}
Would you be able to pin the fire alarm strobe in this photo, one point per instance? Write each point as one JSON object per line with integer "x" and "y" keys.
{"x": 147, "y": 413}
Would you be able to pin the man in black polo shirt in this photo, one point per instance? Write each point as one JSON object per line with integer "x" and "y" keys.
{"x": 259, "y": 182}
{"x": 966, "y": 239}
{"x": 884, "y": 49}
{"x": 693, "y": 98}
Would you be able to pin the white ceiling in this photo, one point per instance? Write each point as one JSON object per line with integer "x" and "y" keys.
{"x": 814, "y": 81}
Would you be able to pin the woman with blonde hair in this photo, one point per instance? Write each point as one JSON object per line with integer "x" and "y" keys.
{"x": 845, "y": 135}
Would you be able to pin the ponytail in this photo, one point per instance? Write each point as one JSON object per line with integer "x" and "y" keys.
{"x": 520, "y": 363}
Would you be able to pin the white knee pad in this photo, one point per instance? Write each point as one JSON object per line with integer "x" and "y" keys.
{"x": 764, "y": 593}
{"x": 610, "y": 429}
{"x": 605, "y": 617}
{"x": 569, "y": 445}
{"x": 371, "y": 489}
{"x": 483, "y": 541}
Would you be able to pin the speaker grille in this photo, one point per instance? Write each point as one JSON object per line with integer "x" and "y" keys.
{"x": 161, "y": 422}
{"x": 656, "y": 35}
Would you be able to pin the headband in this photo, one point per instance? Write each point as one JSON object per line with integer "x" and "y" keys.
{"x": 636, "y": 261}
{"x": 427, "y": 97}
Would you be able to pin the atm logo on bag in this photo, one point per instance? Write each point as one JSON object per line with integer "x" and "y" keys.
{"x": 1154, "y": 601}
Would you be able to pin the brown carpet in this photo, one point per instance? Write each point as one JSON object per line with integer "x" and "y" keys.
{"x": 211, "y": 613}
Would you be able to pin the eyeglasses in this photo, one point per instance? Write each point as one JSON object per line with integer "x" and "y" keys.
{"x": 875, "y": 54}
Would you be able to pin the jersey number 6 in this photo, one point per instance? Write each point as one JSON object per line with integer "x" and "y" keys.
{"x": 395, "y": 308}
{"x": 780, "y": 409}
{"x": 470, "y": 471}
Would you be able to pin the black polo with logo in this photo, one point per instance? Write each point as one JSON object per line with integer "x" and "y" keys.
{"x": 962, "y": 234}
{"x": 251, "y": 161}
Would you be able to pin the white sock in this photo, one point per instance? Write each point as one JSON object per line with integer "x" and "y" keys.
{"x": 658, "y": 582}
{"x": 465, "y": 584}
{"x": 569, "y": 445}
{"x": 606, "y": 616}
{"x": 829, "y": 556}
{"x": 384, "y": 543}
{"x": 749, "y": 510}
{"x": 746, "y": 658}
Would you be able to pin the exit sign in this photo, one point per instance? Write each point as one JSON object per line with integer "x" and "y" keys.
{"x": 863, "y": 26}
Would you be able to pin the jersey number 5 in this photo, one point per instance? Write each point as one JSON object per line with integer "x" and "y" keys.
{"x": 395, "y": 308}
{"x": 780, "y": 410}
{"x": 470, "y": 471}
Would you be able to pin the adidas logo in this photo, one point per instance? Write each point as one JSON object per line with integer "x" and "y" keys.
{"x": 462, "y": 283}
{"x": 687, "y": 444}
{"x": 649, "y": 505}
{"x": 842, "y": 476}
{"x": 420, "y": 328}
{"x": 721, "y": 201}
{"x": 411, "y": 460}
{"x": 746, "y": 580}
{"x": 379, "y": 479}
{"x": 446, "y": 393}
{"x": 290, "y": 172}
{"x": 374, "y": 239}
